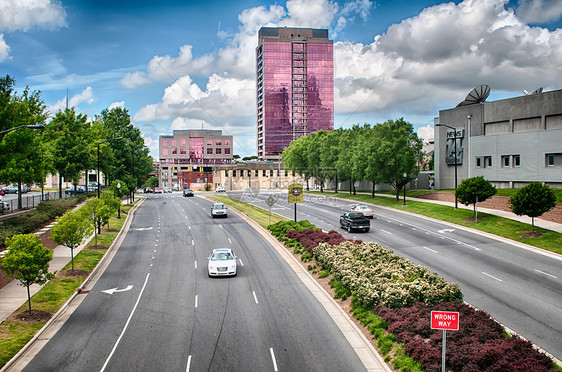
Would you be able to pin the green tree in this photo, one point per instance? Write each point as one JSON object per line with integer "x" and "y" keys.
{"x": 27, "y": 261}
{"x": 112, "y": 204}
{"x": 329, "y": 155}
{"x": 533, "y": 200}
{"x": 70, "y": 230}
{"x": 95, "y": 211}
{"x": 473, "y": 190}
{"x": 21, "y": 151}
{"x": 397, "y": 153}
{"x": 295, "y": 158}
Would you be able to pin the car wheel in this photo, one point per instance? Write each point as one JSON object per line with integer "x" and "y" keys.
{"x": 367, "y": 230}
{"x": 349, "y": 228}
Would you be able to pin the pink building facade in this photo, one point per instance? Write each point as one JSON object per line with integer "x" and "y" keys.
{"x": 295, "y": 87}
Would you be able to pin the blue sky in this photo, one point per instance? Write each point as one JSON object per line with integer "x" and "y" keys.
{"x": 184, "y": 64}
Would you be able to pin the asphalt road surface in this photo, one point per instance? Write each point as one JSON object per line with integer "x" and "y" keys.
{"x": 521, "y": 288}
{"x": 161, "y": 311}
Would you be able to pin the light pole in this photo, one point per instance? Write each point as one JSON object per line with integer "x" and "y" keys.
{"x": 405, "y": 175}
{"x": 455, "y": 139}
{"x": 31, "y": 126}
{"x": 119, "y": 196}
{"x": 99, "y": 143}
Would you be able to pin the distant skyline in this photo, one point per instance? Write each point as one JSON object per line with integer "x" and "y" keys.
{"x": 188, "y": 64}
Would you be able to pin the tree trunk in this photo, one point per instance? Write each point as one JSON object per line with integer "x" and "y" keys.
{"x": 72, "y": 257}
{"x": 533, "y": 223}
{"x": 28, "y": 298}
{"x": 336, "y": 184}
{"x": 321, "y": 185}
{"x": 60, "y": 186}
{"x": 398, "y": 193}
{"x": 373, "y": 191}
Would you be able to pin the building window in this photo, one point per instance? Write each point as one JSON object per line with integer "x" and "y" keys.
{"x": 183, "y": 151}
{"x": 209, "y": 150}
{"x": 174, "y": 151}
{"x": 218, "y": 151}
{"x": 478, "y": 162}
{"x": 487, "y": 161}
{"x": 271, "y": 172}
{"x": 256, "y": 173}
{"x": 164, "y": 142}
{"x": 249, "y": 173}
{"x": 182, "y": 142}
{"x": 263, "y": 173}
{"x": 234, "y": 173}
{"x": 516, "y": 160}
{"x": 550, "y": 160}
{"x": 218, "y": 142}
{"x": 164, "y": 151}
{"x": 227, "y": 151}
{"x": 505, "y": 161}
{"x": 209, "y": 142}
{"x": 227, "y": 142}
{"x": 174, "y": 142}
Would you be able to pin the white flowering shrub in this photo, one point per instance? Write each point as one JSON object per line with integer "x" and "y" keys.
{"x": 377, "y": 276}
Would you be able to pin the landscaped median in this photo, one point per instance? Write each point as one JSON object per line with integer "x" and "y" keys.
{"x": 18, "y": 329}
{"x": 392, "y": 298}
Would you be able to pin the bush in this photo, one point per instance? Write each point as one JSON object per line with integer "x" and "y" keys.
{"x": 281, "y": 228}
{"x": 311, "y": 237}
{"x": 479, "y": 344}
{"x": 45, "y": 212}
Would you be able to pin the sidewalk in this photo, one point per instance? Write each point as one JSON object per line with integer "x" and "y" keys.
{"x": 13, "y": 295}
{"x": 549, "y": 225}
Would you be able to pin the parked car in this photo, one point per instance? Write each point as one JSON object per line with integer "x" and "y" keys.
{"x": 79, "y": 190}
{"x": 1, "y": 191}
{"x": 4, "y": 207}
{"x": 188, "y": 192}
{"x": 220, "y": 189}
{"x": 222, "y": 262}
{"x": 11, "y": 189}
{"x": 176, "y": 188}
{"x": 167, "y": 189}
{"x": 148, "y": 190}
{"x": 92, "y": 186}
{"x": 354, "y": 221}
{"x": 367, "y": 212}
{"x": 218, "y": 210}
{"x": 158, "y": 190}
{"x": 140, "y": 191}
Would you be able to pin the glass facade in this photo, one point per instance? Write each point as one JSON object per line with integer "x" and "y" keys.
{"x": 295, "y": 87}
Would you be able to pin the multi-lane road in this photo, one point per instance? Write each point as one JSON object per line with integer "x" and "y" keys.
{"x": 518, "y": 286}
{"x": 155, "y": 309}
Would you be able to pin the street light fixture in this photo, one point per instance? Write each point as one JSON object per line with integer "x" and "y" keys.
{"x": 31, "y": 126}
{"x": 455, "y": 137}
{"x": 405, "y": 175}
{"x": 99, "y": 143}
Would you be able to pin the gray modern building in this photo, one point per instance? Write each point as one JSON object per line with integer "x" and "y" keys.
{"x": 510, "y": 142}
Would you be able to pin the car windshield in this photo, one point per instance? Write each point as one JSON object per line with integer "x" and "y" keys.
{"x": 218, "y": 206}
{"x": 221, "y": 256}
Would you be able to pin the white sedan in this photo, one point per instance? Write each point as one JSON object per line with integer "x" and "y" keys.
{"x": 367, "y": 212}
{"x": 222, "y": 262}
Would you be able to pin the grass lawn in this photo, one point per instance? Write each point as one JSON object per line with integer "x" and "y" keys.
{"x": 500, "y": 226}
{"x": 260, "y": 215}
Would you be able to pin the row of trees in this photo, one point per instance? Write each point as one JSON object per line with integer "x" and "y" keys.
{"x": 384, "y": 153}
{"x": 69, "y": 143}
{"x": 27, "y": 260}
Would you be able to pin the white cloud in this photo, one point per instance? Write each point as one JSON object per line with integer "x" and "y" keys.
{"x": 24, "y": 14}
{"x": 4, "y": 48}
{"x": 426, "y": 133}
{"x": 116, "y": 104}
{"x": 539, "y": 11}
{"x": 86, "y": 96}
{"x": 134, "y": 79}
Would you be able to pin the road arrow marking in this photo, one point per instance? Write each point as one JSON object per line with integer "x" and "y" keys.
{"x": 113, "y": 290}
{"x": 445, "y": 230}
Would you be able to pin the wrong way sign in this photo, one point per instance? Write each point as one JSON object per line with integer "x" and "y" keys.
{"x": 446, "y": 320}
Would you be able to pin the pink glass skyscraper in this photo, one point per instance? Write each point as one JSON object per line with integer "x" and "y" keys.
{"x": 295, "y": 86}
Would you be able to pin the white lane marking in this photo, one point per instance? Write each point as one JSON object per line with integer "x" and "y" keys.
{"x": 542, "y": 272}
{"x": 196, "y": 300}
{"x": 126, "y": 325}
{"x": 470, "y": 246}
{"x": 273, "y": 358}
{"x": 188, "y": 363}
{"x": 220, "y": 225}
{"x": 230, "y": 241}
{"x": 189, "y": 227}
{"x": 491, "y": 276}
{"x": 429, "y": 249}
{"x": 388, "y": 232}
{"x": 195, "y": 264}
{"x": 192, "y": 242}
{"x": 241, "y": 263}
{"x": 255, "y": 297}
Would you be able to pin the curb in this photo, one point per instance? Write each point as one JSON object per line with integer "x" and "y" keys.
{"x": 91, "y": 278}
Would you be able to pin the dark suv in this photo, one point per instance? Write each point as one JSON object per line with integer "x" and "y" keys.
{"x": 187, "y": 192}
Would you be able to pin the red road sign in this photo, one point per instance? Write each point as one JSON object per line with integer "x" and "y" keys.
{"x": 448, "y": 320}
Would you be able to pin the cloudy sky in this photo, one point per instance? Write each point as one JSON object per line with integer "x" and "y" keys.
{"x": 187, "y": 64}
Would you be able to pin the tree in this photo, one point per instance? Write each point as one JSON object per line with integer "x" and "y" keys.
{"x": 96, "y": 211}
{"x": 397, "y": 153}
{"x": 27, "y": 261}
{"x": 112, "y": 204}
{"x": 533, "y": 200}
{"x": 70, "y": 230}
{"x": 473, "y": 190}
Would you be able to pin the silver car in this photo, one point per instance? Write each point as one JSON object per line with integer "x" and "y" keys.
{"x": 218, "y": 210}
{"x": 222, "y": 262}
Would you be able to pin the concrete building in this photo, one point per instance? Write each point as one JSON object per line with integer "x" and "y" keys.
{"x": 509, "y": 142}
{"x": 191, "y": 155}
{"x": 295, "y": 86}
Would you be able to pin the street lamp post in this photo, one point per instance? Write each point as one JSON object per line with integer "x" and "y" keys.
{"x": 405, "y": 175}
{"x": 455, "y": 139}
{"x": 119, "y": 196}
{"x": 99, "y": 143}
{"x": 31, "y": 126}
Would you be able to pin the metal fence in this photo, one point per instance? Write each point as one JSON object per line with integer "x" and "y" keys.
{"x": 29, "y": 202}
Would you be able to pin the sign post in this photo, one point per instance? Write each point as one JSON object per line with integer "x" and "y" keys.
{"x": 270, "y": 201}
{"x": 445, "y": 320}
{"x": 295, "y": 196}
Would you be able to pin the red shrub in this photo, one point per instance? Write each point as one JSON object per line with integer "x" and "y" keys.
{"x": 310, "y": 238}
